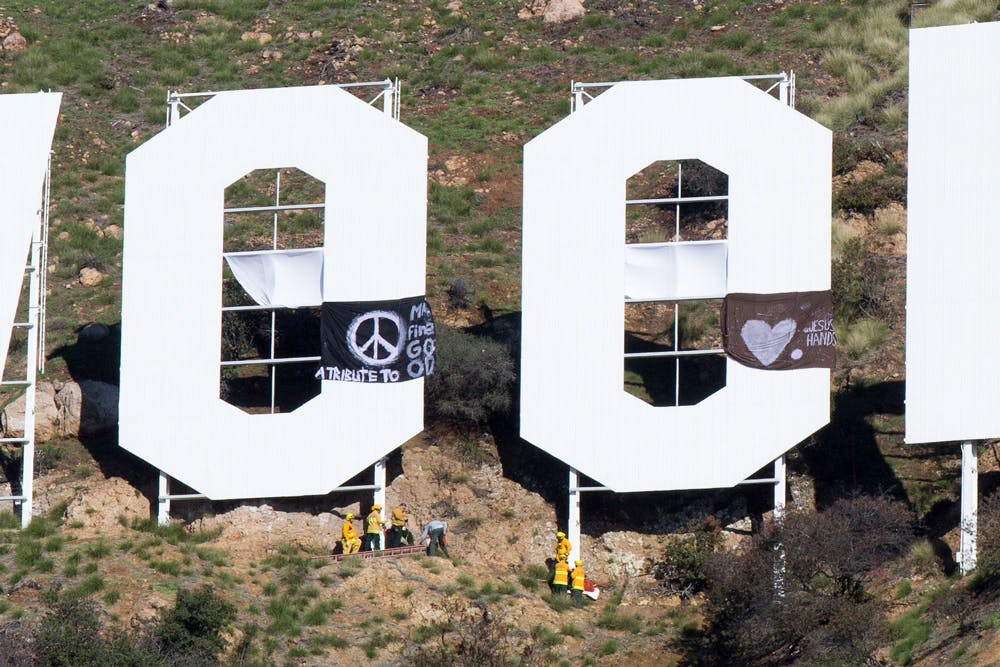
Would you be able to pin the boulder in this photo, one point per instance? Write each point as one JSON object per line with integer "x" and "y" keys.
{"x": 558, "y": 11}
{"x": 46, "y": 414}
{"x": 89, "y": 276}
{"x": 15, "y": 41}
{"x": 88, "y": 408}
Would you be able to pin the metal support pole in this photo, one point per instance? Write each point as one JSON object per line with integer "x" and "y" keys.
{"x": 43, "y": 265}
{"x": 378, "y": 496}
{"x": 780, "y": 487}
{"x": 173, "y": 108}
{"x": 573, "y": 520}
{"x": 31, "y": 369}
{"x": 966, "y": 555}
{"x": 163, "y": 502}
{"x": 576, "y": 100}
{"x": 389, "y": 99}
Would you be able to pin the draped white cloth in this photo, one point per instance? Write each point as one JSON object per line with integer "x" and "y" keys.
{"x": 285, "y": 278}
{"x": 667, "y": 271}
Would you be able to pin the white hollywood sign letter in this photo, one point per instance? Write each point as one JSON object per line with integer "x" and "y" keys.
{"x": 26, "y": 126}
{"x": 572, "y": 399}
{"x": 374, "y": 169}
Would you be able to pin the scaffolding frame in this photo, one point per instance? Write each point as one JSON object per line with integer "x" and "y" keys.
{"x": 387, "y": 92}
{"x": 782, "y": 86}
{"x": 34, "y": 351}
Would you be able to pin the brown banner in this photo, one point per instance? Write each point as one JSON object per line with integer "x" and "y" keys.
{"x": 779, "y": 332}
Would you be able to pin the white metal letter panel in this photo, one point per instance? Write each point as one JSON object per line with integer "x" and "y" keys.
{"x": 171, "y": 415}
{"x": 572, "y": 400}
{"x": 953, "y": 234}
{"x": 27, "y": 123}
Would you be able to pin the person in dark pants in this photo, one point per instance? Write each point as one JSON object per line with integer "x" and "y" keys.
{"x": 560, "y": 579}
{"x": 398, "y": 531}
{"x": 434, "y": 534}
{"x": 578, "y": 579}
{"x": 372, "y": 541}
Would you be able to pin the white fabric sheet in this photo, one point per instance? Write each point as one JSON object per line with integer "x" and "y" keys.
{"x": 668, "y": 271}
{"x": 286, "y": 278}
{"x": 26, "y": 126}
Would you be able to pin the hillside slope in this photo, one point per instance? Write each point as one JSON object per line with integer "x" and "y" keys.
{"x": 479, "y": 79}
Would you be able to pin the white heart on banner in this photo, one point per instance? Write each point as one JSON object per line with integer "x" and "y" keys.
{"x": 766, "y": 342}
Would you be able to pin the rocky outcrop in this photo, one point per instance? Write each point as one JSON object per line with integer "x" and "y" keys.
{"x": 10, "y": 39}
{"x": 104, "y": 501}
{"x": 65, "y": 408}
{"x": 553, "y": 11}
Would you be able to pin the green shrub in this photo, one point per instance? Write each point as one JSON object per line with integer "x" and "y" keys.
{"x": 71, "y": 634}
{"x": 546, "y": 637}
{"x": 911, "y": 629}
{"x": 683, "y": 569}
{"x": 55, "y": 543}
{"x": 193, "y": 629}
{"x": 570, "y": 630}
{"x": 902, "y": 590}
{"x": 350, "y": 567}
{"x": 472, "y": 380}
{"x": 559, "y": 602}
{"x": 171, "y": 567}
{"x": 866, "y": 195}
{"x": 532, "y": 575}
{"x": 175, "y": 533}
{"x": 376, "y": 639}
{"x": 611, "y": 618}
{"x": 857, "y": 339}
{"x": 28, "y": 553}
{"x": 98, "y": 549}
{"x": 860, "y": 282}
{"x": 609, "y": 647}
{"x": 285, "y": 617}
{"x": 88, "y": 586}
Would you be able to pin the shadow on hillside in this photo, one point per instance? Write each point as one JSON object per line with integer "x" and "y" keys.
{"x": 844, "y": 457}
{"x": 91, "y": 361}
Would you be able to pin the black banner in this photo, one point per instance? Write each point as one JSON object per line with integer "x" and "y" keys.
{"x": 780, "y": 332}
{"x": 377, "y": 341}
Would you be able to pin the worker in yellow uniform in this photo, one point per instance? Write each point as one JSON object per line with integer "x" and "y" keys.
{"x": 373, "y": 530}
{"x": 348, "y": 537}
{"x": 578, "y": 579}
{"x": 561, "y": 578}
{"x": 563, "y": 547}
{"x": 398, "y": 530}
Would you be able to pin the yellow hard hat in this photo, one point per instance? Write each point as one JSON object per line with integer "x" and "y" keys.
{"x": 560, "y": 534}
{"x": 579, "y": 562}
{"x": 376, "y": 507}
{"x": 349, "y": 516}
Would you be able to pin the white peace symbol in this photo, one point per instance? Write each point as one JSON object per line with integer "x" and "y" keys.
{"x": 368, "y": 351}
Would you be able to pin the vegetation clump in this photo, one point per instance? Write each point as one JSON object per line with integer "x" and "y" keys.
{"x": 800, "y": 593}
{"x": 473, "y": 379}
